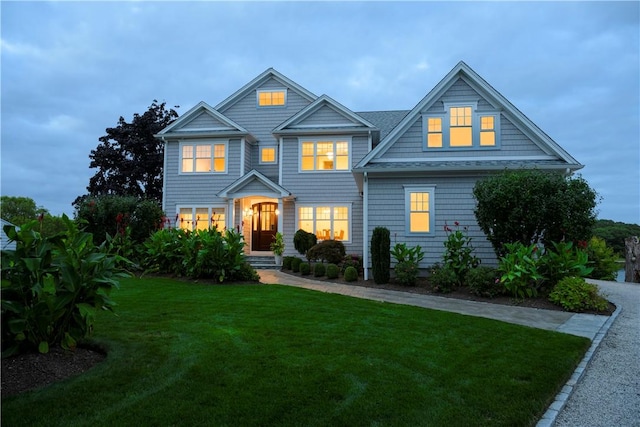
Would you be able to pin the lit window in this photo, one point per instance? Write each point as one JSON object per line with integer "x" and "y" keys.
{"x": 204, "y": 158}
{"x": 419, "y": 209}
{"x": 322, "y": 155}
{"x": 272, "y": 98}
{"x": 267, "y": 155}
{"x": 326, "y": 221}
{"x": 201, "y": 218}
{"x": 461, "y": 127}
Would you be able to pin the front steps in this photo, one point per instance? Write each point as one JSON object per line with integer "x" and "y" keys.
{"x": 261, "y": 262}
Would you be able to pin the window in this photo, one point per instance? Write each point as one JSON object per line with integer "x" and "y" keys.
{"x": 326, "y": 221}
{"x": 267, "y": 154}
{"x": 322, "y": 155}
{"x": 203, "y": 158}
{"x": 272, "y": 98}
{"x": 419, "y": 209}
{"x": 461, "y": 126}
{"x": 201, "y": 218}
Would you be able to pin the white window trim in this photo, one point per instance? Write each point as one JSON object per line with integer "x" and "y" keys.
{"x": 193, "y": 207}
{"x": 275, "y": 158}
{"x": 408, "y": 189}
{"x": 329, "y": 205}
{"x": 475, "y": 127}
{"x": 204, "y": 142}
{"x": 333, "y": 139}
{"x": 275, "y": 89}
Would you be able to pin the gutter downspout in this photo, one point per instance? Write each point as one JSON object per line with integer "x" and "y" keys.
{"x": 365, "y": 226}
{"x": 164, "y": 174}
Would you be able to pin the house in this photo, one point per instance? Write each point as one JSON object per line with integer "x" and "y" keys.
{"x": 6, "y": 244}
{"x": 275, "y": 157}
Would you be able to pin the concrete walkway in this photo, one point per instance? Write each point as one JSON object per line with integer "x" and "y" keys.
{"x": 604, "y": 389}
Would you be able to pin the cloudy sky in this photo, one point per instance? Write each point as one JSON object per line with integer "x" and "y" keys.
{"x": 71, "y": 69}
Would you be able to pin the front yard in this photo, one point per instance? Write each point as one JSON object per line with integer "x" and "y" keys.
{"x": 187, "y": 354}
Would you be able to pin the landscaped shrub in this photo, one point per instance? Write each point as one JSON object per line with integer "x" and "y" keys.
{"x": 407, "y": 273}
{"x": 575, "y": 294}
{"x": 246, "y": 273}
{"x": 303, "y": 241}
{"x": 352, "y": 260}
{"x": 286, "y": 262}
{"x": 52, "y": 287}
{"x": 484, "y": 282}
{"x": 295, "y": 264}
{"x": 458, "y": 255}
{"x": 332, "y": 271}
{"x": 602, "y": 259}
{"x": 331, "y": 251}
{"x": 563, "y": 260}
{"x": 381, "y": 255}
{"x": 351, "y": 274}
{"x": 305, "y": 268}
{"x": 442, "y": 279}
{"x": 319, "y": 269}
{"x": 519, "y": 269}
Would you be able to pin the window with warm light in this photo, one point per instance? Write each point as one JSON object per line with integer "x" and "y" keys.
{"x": 267, "y": 155}
{"x": 325, "y": 221}
{"x": 201, "y": 218}
{"x": 324, "y": 155}
{"x": 461, "y": 126}
{"x": 272, "y": 98}
{"x": 203, "y": 158}
{"x": 419, "y": 209}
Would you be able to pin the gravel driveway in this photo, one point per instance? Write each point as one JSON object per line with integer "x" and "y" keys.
{"x": 608, "y": 393}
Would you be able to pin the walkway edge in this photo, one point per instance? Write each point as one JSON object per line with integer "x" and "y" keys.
{"x": 549, "y": 417}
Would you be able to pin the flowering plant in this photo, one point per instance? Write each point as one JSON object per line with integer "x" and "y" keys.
{"x": 458, "y": 255}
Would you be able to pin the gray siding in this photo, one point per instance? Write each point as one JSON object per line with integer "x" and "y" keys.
{"x": 453, "y": 202}
{"x": 204, "y": 120}
{"x": 326, "y": 116}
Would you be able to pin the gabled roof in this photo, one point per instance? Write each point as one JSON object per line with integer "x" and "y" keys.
{"x": 237, "y": 188}
{"x": 384, "y": 120}
{"x": 463, "y": 71}
{"x": 224, "y": 127}
{"x": 258, "y": 81}
{"x": 353, "y": 121}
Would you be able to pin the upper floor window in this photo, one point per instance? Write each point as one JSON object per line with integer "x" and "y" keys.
{"x": 324, "y": 154}
{"x": 203, "y": 157}
{"x": 267, "y": 155}
{"x": 272, "y": 98}
{"x": 461, "y": 126}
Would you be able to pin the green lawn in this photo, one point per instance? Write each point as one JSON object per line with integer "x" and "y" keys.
{"x": 262, "y": 355}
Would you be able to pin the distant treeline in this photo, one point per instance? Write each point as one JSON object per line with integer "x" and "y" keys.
{"x": 614, "y": 233}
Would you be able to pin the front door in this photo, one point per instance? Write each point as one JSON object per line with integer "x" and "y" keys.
{"x": 264, "y": 226}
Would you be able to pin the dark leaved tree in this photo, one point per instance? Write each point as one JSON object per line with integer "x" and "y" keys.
{"x": 129, "y": 158}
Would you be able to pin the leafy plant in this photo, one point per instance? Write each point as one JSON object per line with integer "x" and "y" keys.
{"x": 277, "y": 246}
{"x": 407, "y": 272}
{"x": 331, "y": 251}
{"x": 484, "y": 281}
{"x": 575, "y": 294}
{"x": 351, "y": 274}
{"x": 352, "y": 260}
{"x": 305, "y": 269}
{"x": 458, "y": 255}
{"x": 286, "y": 262}
{"x": 303, "y": 241}
{"x": 563, "y": 260}
{"x": 295, "y": 264}
{"x": 52, "y": 287}
{"x": 332, "y": 271}
{"x": 442, "y": 279}
{"x": 602, "y": 259}
{"x": 319, "y": 269}
{"x": 380, "y": 255}
{"x": 519, "y": 269}
{"x": 401, "y": 253}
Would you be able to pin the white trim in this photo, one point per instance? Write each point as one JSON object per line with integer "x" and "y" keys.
{"x": 429, "y": 189}
{"x": 271, "y": 90}
{"x": 275, "y": 157}
{"x": 164, "y": 174}
{"x": 461, "y": 159}
{"x": 326, "y": 125}
{"x": 365, "y": 226}
{"x": 315, "y": 140}
{"x": 348, "y": 205}
{"x": 243, "y": 147}
{"x": 212, "y": 143}
{"x": 280, "y": 156}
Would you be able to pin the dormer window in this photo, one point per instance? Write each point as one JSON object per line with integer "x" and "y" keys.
{"x": 272, "y": 98}
{"x": 461, "y": 126}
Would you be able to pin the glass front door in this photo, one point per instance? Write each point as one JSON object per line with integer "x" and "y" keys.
{"x": 264, "y": 225}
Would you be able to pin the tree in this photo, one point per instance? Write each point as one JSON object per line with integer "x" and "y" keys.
{"x": 614, "y": 233}
{"x": 129, "y": 158}
{"x": 21, "y": 210}
{"x": 532, "y": 206}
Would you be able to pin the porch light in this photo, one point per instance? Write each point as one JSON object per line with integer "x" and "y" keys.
{"x": 277, "y": 211}
{"x": 248, "y": 211}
